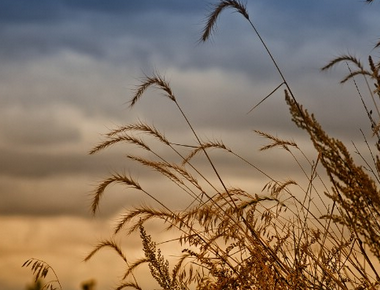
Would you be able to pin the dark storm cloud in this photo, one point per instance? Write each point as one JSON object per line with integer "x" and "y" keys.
{"x": 132, "y": 7}
{"x": 23, "y": 11}
{"x": 147, "y": 33}
{"x": 45, "y": 11}
{"x": 31, "y": 29}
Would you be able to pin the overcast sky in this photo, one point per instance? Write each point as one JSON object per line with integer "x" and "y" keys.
{"x": 68, "y": 69}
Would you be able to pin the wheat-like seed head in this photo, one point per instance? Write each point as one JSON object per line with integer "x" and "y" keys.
{"x": 276, "y": 141}
{"x": 348, "y": 59}
{"x": 203, "y": 146}
{"x": 344, "y": 58}
{"x": 40, "y": 270}
{"x": 115, "y": 178}
{"x": 157, "y": 81}
{"x": 377, "y": 45}
{"x": 127, "y": 285}
{"x": 118, "y": 139}
{"x": 213, "y": 16}
{"x": 142, "y": 127}
{"x": 107, "y": 243}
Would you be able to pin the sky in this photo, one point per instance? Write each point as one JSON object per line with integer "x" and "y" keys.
{"x": 68, "y": 70}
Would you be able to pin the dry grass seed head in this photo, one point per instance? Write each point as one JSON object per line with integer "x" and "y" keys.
{"x": 128, "y": 285}
{"x": 107, "y": 243}
{"x": 161, "y": 167}
{"x": 142, "y": 127}
{"x": 115, "y": 178}
{"x": 213, "y": 16}
{"x": 138, "y": 216}
{"x": 344, "y": 58}
{"x": 276, "y": 141}
{"x": 40, "y": 269}
{"x": 349, "y": 59}
{"x": 118, "y": 139}
{"x": 203, "y": 146}
{"x": 157, "y": 81}
{"x": 275, "y": 187}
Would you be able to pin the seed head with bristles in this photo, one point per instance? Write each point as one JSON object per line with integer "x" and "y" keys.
{"x": 213, "y": 16}
{"x": 155, "y": 80}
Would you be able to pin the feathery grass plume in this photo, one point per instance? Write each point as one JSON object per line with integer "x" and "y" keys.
{"x": 107, "y": 243}
{"x": 213, "y": 16}
{"x": 353, "y": 190}
{"x": 373, "y": 74}
{"x": 344, "y": 58}
{"x": 114, "y": 246}
{"x": 115, "y": 178}
{"x": 162, "y": 84}
{"x": 143, "y": 214}
{"x": 155, "y": 80}
{"x": 160, "y": 167}
{"x": 175, "y": 173}
{"x": 211, "y": 22}
{"x": 142, "y": 127}
{"x": 276, "y": 141}
{"x": 276, "y": 188}
{"x": 120, "y": 138}
{"x": 128, "y": 285}
{"x": 203, "y": 146}
{"x": 159, "y": 267}
{"x": 377, "y": 45}
{"x": 40, "y": 270}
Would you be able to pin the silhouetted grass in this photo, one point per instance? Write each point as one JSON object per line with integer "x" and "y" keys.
{"x": 312, "y": 233}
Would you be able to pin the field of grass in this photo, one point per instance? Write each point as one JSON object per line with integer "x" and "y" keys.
{"x": 321, "y": 232}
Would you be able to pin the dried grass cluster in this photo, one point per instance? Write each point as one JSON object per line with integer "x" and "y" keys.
{"x": 235, "y": 239}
